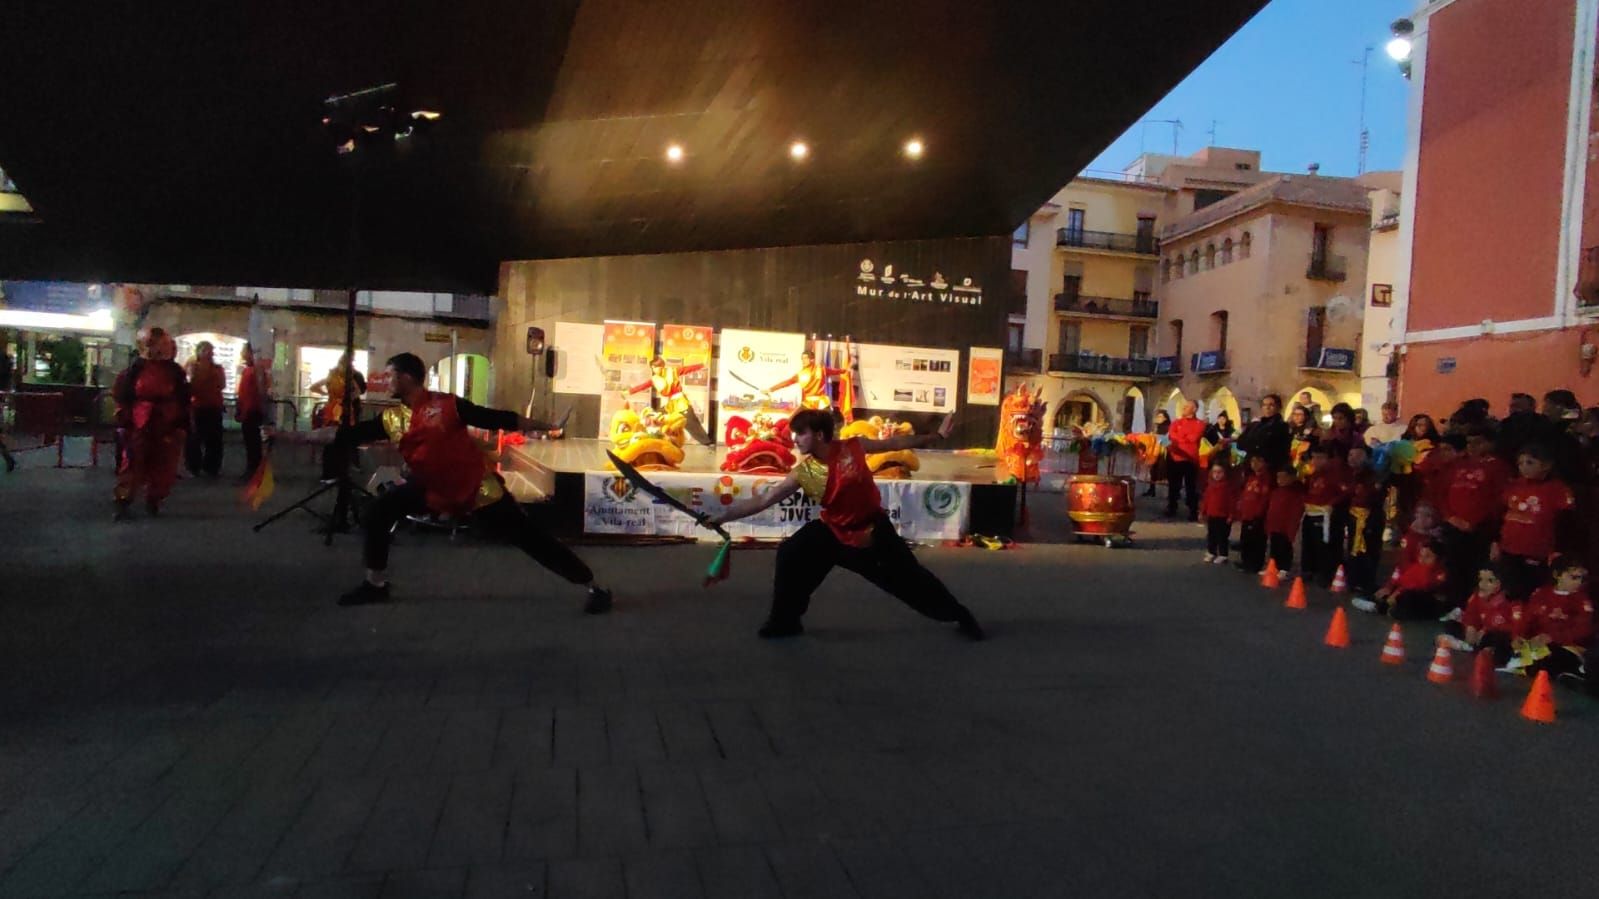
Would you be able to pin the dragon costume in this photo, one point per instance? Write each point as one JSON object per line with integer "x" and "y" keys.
{"x": 758, "y": 446}
{"x": 899, "y": 464}
{"x": 1021, "y": 437}
{"x": 651, "y": 441}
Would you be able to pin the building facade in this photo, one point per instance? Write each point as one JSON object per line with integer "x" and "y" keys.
{"x": 1262, "y": 292}
{"x": 1498, "y": 297}
{"x": 1379, "y": 366}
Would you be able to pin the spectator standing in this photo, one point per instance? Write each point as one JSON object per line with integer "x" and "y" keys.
{"x": 203, "y": 449}
{"x": 1268, "y": 436}
{"x": 1182, "y": 466}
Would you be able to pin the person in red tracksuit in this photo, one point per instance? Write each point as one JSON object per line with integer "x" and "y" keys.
{"x": 1490, "y": 620}
{"x": 447, "y": 473}
{"x": 155, "y": 393}
{"x": 1364, "y": 533}
{"x": 1411, "y": 594}
{"x": 1182, "y": 460}
{"x": 1217, "y": 506}
{"x": 1471, "y": 512}
{"x": 1284, "y": 511}
{"x": 1250, "y": 513}
{"x": 1327, "y": 490}
{"x": 1537, "y": 521}
{"x": 1560, "y": 617}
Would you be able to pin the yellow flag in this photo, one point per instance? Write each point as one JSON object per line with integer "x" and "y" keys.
{"x": 261, "y": 486}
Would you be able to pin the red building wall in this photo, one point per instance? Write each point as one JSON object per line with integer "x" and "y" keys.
{"x": 1493, "y": 140}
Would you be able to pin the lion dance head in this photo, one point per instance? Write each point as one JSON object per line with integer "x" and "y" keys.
{"x": 1021, "y": 436}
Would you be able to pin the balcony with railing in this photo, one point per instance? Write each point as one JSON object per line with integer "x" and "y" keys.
{"x": 1077, "y": 304}
{"x": 1208, "y": 362}
{"x": 1084, "y": 363}
{"x": 1327, "y": 267}
{"x": 1330, "y": 359}
{"x": 1168, "y": 366}
{"x": 1109, "y": 241}
{"x": 1024, "y": 360}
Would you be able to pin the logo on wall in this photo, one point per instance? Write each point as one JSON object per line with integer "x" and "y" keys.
{"x": 903, "y": 286}
{"x": 941, "y": 500}
{"x": 726, "y": 490}
{"x": 621, "y": 489}
{"x": 745, "y": 354}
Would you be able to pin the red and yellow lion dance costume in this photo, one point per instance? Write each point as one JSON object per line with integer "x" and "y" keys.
{"x": 1021, "y": 437}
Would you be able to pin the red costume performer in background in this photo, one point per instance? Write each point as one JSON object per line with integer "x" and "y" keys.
{"x": 155, "y": 393}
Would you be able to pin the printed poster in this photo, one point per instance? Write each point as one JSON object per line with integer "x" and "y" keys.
{"x": 920, "y": 510}
{"x": 749, "y": 364}
{"x": 985, "y": 373}
{"x": 908, "y": 378}
{"x": 625, "y": 352}
{"x": 577, "y": 346}
{"x": 688, "y": 345}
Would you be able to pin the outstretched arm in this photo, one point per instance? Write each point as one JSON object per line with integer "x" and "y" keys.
{"x": 639, "y": 388}
{"x": 909, "y": 441}
{"x": 477, "y": 416}
{"x": 793, "y": 379}
{"x": 744, "y": 508}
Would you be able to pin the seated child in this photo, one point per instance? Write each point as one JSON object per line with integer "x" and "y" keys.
{"x": 1490, "y": 620}
{"x": 1283, "y": 513}
{"x": 1411, "y": 594}
{"x": 1558, "y": 623}
{"x": 1365, "y": 523}
{"x": 1535, "y": 507}
{"x": 1250, "y": 513}
{"x": 1216, "y": 507}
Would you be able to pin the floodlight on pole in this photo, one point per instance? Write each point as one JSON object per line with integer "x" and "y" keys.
{"x": 1400, "y": 46}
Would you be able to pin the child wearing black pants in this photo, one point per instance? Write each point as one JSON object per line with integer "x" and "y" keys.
{"x": 1283, "y": 513}
{"x": 1217, "y": 509}
{"x": 1250, "y": 513}
{"x": 1365, "y": 529}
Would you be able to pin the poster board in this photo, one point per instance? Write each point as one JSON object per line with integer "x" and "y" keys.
{"x": 985, "y": 375}
{"x": 920, "y": 510}
{"x": 749, "y": 363}
{"x": 909, "y": 379}
{"x": 625, "y": 352}
{"x": 577, "y": 348}
{"x": 686, "y": 345}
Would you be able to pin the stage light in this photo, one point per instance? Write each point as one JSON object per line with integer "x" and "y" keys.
{"x": 914, "y": 148}
{"x": 1399, "y": 48}
{"x": 427, "y": 114}
{"x": 674, "y": 153}
{"x": 798, "y": 150}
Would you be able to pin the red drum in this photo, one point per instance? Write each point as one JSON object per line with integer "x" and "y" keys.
{"x": 1100, "y": 506}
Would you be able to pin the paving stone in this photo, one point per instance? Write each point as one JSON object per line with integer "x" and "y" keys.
{"x": 519, "y": 880}
{"x": 401, "y": 827}
{"x": 737, "y": 873}
{"x": 543, "y": 820}
{"x": 675, "y": 809}
{"x": 662, "y": 875}
{"x": 610, "y": 812}
{"x": 472, "y": 826}
{"x": 587, "y": 879}
{"x": 322, "y": 837}
{"x": 434, "y": 884}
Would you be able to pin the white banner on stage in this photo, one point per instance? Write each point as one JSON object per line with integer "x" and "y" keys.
{"x": 909, "y": 378}
{"x": 577, "y": 348}
{"x": 752, "y": 361}
{"x": 921, "y": 510}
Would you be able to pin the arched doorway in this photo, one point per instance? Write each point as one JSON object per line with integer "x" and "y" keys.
{"x": 466, "y": 375}
{"x": 1134, "y": 419}
{"x": 1221, "y": 400}
{"x": 1081, "y": 409}
{"x": 1174, "y": 403}
{"x": 1321, "y": 402}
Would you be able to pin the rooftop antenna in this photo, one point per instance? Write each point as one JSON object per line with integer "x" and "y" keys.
{"x": 1176, "y": 128}
{"x": 1212, "y": 132}
{"x": 1365, "y": 136}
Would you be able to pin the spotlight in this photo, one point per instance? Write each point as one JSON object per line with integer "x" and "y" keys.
{"x": 674, "y": 153}
{"x": 1399, "y": 48}
{"x": 914, "y": 148}
{"x": 798, "y": 150}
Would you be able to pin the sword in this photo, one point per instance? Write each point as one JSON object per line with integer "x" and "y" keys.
{"x": 638, "y": 480}
{"x": 695, "y": 427}
{"x": 742, "y": 380}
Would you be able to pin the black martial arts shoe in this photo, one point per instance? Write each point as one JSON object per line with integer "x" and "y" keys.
{"x": 598, "y": 602}
{"x": 967, "y": 624}
{"x": 366, "y": 594}
{"x": 773, "y": 630}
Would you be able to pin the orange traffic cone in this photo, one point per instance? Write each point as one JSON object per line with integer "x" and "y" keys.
{"x": 1270, "y": 577}
{"x": 1393, "y": 652}
{"x": 1338, "y": 630}
{"x": 1440, "y": 671}
{"x": 1340, "y": 584}
{"x": 1296, "y": 595}
{"x": 1540, "y": 704}
{"x": 1483, "y": 683}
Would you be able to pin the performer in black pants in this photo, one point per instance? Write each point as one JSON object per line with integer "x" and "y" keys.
{"x": 448, "y": 474}
{"x": 854, "y": 532}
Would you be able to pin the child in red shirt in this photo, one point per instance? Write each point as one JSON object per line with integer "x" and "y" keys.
{"x": 1217, "y": 506}
{"x": 1250, "y": 513}
{"x": 1284, "y": 511}
{"x": 1366, "y": 497}
{"x": 1558, "y": 623}
{"x": 1327, "y": 489}
{"x": 1472, "y": 503}
{"x": 1535, "y": 506}
{"x": 1490, "y": 620}
{"x": 1411, "y": 593}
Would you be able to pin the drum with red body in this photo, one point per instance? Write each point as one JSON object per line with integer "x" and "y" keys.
{"x": 1100, "y": 506}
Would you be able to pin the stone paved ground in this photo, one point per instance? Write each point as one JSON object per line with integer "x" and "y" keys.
{"x": 183, "y": 712}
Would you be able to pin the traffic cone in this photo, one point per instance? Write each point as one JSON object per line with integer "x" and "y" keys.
{"x": 1440, "y": 671}
{"x": 1340, "y": 584}
{"x": 1296, "y": 595}
{"x": 1484, "y": 685}
{"x": 1393, "y": 652}
{"x": 1338, "y": 630}
{"x": 1540, "y": 704}
{"x": 1270, "y": 577}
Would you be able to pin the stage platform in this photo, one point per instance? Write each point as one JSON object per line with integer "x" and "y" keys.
{"x": 550, "y": 473}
